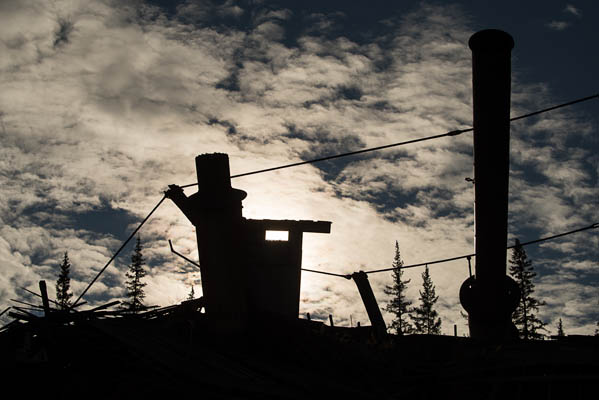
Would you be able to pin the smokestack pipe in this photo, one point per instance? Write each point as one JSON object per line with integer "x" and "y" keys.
{"x": 491, "y": 84}
{"x": 487, "y": 295}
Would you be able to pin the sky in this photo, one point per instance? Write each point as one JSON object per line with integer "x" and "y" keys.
{"x": 105, "y": 103}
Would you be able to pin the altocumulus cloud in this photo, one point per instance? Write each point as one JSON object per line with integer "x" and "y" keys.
{"x": 104, "y": 104}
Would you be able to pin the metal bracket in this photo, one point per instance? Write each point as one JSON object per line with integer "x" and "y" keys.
{"x": 181, "y": 255}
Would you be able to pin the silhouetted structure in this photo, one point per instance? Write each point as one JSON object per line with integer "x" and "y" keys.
{"x": 372, "y": 307}
{"x": 173, "y": 351}
{"x": 490, "y": 296}
{"x": 243, "y": 274}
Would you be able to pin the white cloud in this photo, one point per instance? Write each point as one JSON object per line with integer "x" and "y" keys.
{"x": 558, "y": 25}
{"x": 570, "y": 9}
{"x": 112, "y": 116}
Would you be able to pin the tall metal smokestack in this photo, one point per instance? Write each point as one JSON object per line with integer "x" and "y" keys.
{"x": 489, "y": 294}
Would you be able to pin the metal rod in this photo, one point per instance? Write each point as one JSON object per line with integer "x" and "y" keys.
{"x": 181, "y": 255}
{"x": 112, "y": 303}
{"x": 469, "y": 266}
{"x": 27, "y": 304}
{"x": 118, "y": 251}
{"x": 4, "y": 312}
{"x": 38, "y": 295}
{"x": 25, "y": 309}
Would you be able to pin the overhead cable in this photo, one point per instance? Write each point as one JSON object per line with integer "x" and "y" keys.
{"x": 468, "y": 256}
{"x": 326, "y": 273}
{"x": 450, "y": 133}
{"x": 593, "y": 226}
{"x": 118, "y": 251}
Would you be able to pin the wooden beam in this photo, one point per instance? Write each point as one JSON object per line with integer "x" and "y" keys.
{"x": 288, "y": 225}
{"x": 45, "y": 300}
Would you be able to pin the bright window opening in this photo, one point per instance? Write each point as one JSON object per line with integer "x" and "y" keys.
{"x": 277, "y": 235}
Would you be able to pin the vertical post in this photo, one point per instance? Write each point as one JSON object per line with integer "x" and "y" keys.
{"x": 372, "y": 307}
{"x": 45, "y": 301}
{"x": 331, "y": 319}
{"x": 485, "y": 296}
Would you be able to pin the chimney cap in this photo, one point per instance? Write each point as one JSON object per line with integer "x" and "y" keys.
{"x": 491, "y": 40}
{"x": 214, "y": 177}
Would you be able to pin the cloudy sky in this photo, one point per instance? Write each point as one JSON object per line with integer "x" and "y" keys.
{"x": 105, "y": 103}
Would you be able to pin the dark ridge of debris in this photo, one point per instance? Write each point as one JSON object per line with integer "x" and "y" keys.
{"x": 174, "y": 351}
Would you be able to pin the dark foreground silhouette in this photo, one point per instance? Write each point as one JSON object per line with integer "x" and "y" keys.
{"x": 174, "y": 351}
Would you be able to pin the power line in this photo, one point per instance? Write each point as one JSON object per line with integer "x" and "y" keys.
{"x": 348, "y": 276}
{"x": 593, "y": 226}
{"x": 556, "y": 107}
{"x": 326, "y": 273}
{"x": 450, "y": 133}
{"x": 118, "y": 251}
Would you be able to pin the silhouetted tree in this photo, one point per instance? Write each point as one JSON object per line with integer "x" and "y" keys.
{"x": 560, "y": 328}
{"x": 63, "y": 284}
{"x": 399, "y": 305}
{"x": 192, "y": 294}
{"x": 136, "y": 273}
{"x": 425, "y": 317}
{"x": 525, "y": 316}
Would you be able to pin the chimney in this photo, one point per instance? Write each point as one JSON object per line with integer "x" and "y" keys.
{"x": 489, "y": 294}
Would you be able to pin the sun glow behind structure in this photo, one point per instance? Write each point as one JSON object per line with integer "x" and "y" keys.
{"x": 107, "y": 128}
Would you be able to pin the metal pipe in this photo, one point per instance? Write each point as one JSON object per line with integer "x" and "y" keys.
{"x": 485, "y": 295}
{"x": 491, "y": 84}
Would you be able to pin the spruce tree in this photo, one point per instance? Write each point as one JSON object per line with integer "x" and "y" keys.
{"x": 136, "y": 273}
{"x": 560, "y": 328}
{"x": 63, "y": 284}
{"x": 425, "y": 317}
{"x": 525, "y": 316}
{"x": 399, "y": 305}
{"x": 192, "y": 294}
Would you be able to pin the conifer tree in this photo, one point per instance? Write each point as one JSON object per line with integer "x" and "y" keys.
{"x": 136, "y": 273}
{"x": 560, "y": 328}
{"x": 192, "y": 294}
{"x": 425, "y": 317}
{"x": 399, "y": 305}
{"x": 63, "y": 284}
{"x": 525, "y": 316}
